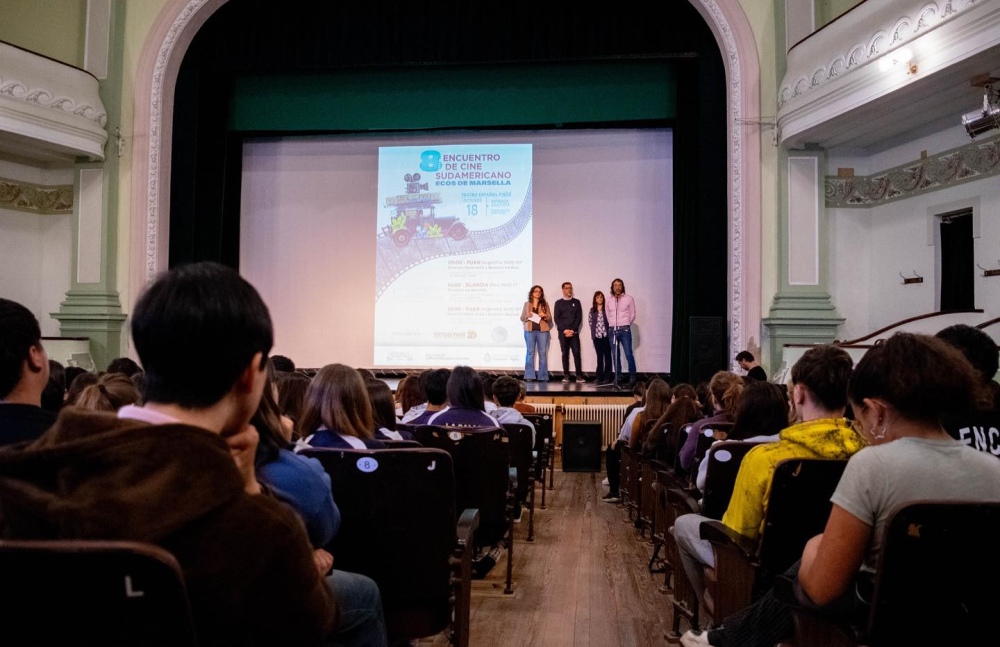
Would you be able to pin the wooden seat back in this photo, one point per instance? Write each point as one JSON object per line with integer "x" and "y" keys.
{"x": 399, "y": 527}
{"x": 723, "y": 466}
{"x": 86, "y": 592}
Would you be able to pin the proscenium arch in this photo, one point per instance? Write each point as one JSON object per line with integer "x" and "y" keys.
{"x": 179, "y": 21}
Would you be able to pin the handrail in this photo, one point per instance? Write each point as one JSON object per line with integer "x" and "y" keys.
{"x": 906, "y": 321}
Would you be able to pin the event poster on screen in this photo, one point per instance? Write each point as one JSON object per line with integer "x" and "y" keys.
{"x": 453, "y": 254}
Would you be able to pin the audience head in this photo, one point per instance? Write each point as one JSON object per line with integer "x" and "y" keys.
{"x": 383, "y": 406}
{"x": 705, "y": 398}
{"x": 409, "y": 393}
{"x": 71, "y": 373}
{"x": 139, "y": 382}
{"x": 639, "y": 391}
{"x": 725, "y": 389}
{"x": 488, "y": 381}
{"x": 338, "y": 400}
{"x": 292, "y": 395}
{"x": 267, "y": 421}
{"x": 24, "y": 366}
{"x": 110, "y": 392}
{"x": 910, "y": 378}
{"x": 124, "y": 365}
{"x": 282, "y": 364}
{"x": 657, "y": 399}
{"x": 763, "y": 411}
{"x": 684, "y": 390}
{"x": 982, "y": 352}
{"x": 202, "y": 314}
{"x": 465, "y": 389}
{"x": 436, "y": 387}
{"x": 76, "y": 387}
{"x": 506, "y": 391}
{"x": 821, "y": 375}
{"x": 523, "y": 387}
{"x": 54, "y": 393}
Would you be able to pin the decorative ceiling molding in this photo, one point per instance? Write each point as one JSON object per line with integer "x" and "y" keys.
{"x": 34, "y": 198}
{"x": 974, "y": 161}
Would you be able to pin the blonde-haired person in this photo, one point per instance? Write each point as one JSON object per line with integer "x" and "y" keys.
{"x": 110, "y": 392}
{"x": 337, "y": 412}
{"x": 724, "y": 391}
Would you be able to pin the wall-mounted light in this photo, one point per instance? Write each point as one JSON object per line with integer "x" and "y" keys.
{"x": 901, "y": 58}
{"x": 986, "y": 119}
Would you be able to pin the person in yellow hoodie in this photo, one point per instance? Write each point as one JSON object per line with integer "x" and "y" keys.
{"x": 818, "y": 399}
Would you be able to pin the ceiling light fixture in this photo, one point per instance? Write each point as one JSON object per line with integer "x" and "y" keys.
{"x": 986, "y": 119}
{"x": 895, "y": 59}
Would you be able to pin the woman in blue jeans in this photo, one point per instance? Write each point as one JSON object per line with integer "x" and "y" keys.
{"x": 537, "y": 319}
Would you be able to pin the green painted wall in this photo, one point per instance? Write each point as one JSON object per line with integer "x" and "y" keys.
{"x": 470, "y": 96}
{"x": 53, "y": 28}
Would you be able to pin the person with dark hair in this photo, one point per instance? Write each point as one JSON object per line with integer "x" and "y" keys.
{"x": 139, "y": 382}
{"x": 435, "y": 385}
{"x": 409, "y": 394}
{"x": 76, "y": 387}
{"x": 658, "y": 397}
{"x": 111, "y": 392}
{"x": 71, "y": 374}
{"x": 683, "y": 410}
{"x": 760, "y": 416}
{"x": 978, "y": 427}
{"x": 292, "y": 387}
{"x": 338, "y": 413}
{"x": 597, "y": 320}
{"x": 24, "y": 373}
{"x": 819, "y": 397}
{"x": 124, "y": 365}
{"x": 282, "y": 364}
{"x": 747, "y": 363}
{"x": 568, "y": 317}
{"x": 537, "y": 320}
{"x": 899, "y": 392}
{"x": 620, "y": 310}
{"x": 488, "y": 381}
{"x": 505, "y": 392}
{"x": 416, "y": 410}
{"x": 384, "y": 412}
{"x": 54, "y": 394}
{"x": 179, "y": 471}
{"x": 466, "y": 406}
{"x": 520, "y": 404}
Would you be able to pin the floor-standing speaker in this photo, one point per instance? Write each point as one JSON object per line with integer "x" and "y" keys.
{"x": 581, "y": 446}
{"x": 707, "y": 350}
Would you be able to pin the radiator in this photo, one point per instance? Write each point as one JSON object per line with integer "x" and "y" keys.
{"x": 609, "y": 415}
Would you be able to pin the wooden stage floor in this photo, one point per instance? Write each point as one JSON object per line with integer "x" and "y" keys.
{"x": 583, "y": 582}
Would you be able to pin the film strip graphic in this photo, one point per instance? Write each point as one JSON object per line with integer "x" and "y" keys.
{"x": 394, "y": 260}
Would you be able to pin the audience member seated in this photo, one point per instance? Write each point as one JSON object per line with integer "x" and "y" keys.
{"x": 658, "y": 396}
{"x": 54, "y": 394}
{"x": 819, "y": 397}
{"x": 338, "y": 413}
{"x": 466, "y": 402}
{"x": 684, "y": 409}
{"x": 760, "y": 417}
{"x": 124, "y": 365}
{"x": 111, "y": 392}
{"x": 292, "y": 387}
{"x": 282, "y": 364}
{"x": 520, "y": 404}
{"x": 384, "y": 411}
{"x": 899, "y": 393}
{"x": 24, "y": 374}
{"x": 613, "y": 454}
{"x": 505, "y": 392}
{"x": 435, "y": 384}
{"x": 724, "y": 393}
{"x": 304, "y": 485}
{"x": 488, "y": 381}
{"x": 980, "y": 425}
{"x": 76, "y": 387}
{"x": 409, "y": 394}
{"x": 179, "y": 471}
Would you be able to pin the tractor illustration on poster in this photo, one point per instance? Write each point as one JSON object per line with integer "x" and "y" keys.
{"x": 415, "y": 218}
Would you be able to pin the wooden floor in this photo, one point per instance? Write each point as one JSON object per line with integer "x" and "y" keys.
{"x": 583, "y": 582}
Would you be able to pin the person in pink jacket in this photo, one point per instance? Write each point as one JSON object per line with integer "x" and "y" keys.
{"x": 620, "y": 310}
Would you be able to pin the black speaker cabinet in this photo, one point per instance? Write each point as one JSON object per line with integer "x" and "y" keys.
{"x": 581, "y": 446}
{"x": 707, "y": 350}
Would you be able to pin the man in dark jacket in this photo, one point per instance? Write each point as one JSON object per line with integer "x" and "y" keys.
{"x": 24, "y": 372}
{"x": 568, "y": 316}
{"x": 179, "y": 472}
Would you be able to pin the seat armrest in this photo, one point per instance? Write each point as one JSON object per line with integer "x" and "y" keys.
{"x": 682, "y": 500}
{"x": 466, "y": 526}
{"x": 719, "y": 533}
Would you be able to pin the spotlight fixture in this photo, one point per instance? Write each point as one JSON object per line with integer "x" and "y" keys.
{"x": 978, "y": 122}
{"x": 901, "y": 58}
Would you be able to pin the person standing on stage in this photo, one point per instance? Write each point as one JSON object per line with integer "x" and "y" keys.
{"x": 568, "y": 314}
{"x": 620, "y": 310}
{"x": 537, "y": 322}
{"x": 597, "y": 319}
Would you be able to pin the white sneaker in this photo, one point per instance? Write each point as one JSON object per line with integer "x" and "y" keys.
{"x": 605, "y": 482}
{"x": 692, "y": 639}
